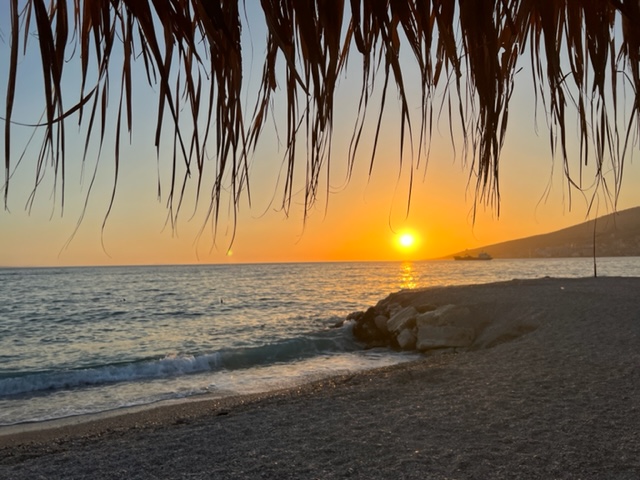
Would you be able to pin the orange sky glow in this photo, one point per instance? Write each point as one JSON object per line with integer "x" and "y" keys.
{"x": 359, "y": 220}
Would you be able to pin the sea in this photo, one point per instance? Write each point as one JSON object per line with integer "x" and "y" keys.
{"x": 82, "y": 340}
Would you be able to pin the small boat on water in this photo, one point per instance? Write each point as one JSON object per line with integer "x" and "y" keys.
{"x": 481, "y": 256}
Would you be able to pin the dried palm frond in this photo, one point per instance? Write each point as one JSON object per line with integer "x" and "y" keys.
{"x": 470, "y": 49}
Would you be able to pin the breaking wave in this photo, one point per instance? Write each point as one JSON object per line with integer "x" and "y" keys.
{"x": 173, "y": 365}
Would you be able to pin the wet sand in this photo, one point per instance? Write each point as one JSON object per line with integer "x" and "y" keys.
{"x": 560, "y": 401}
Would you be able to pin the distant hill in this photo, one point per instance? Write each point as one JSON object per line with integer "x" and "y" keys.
{"x": 617, "y": 235}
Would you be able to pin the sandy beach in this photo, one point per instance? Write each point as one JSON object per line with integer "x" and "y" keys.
{"x": 561, "y": 400}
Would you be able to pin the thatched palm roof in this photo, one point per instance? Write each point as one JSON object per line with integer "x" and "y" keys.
{"x": 581, "y": 52}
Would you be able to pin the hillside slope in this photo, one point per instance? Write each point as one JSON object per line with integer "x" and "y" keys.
{"x": 617, "y": 234}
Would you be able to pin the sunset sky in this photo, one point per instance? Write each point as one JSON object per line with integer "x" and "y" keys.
{"x": 360, "y": 220}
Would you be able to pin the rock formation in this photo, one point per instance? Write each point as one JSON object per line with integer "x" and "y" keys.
{"x": 432, "y": 328}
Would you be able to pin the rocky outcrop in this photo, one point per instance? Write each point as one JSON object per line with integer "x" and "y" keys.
{"x": 366, "y": 330}
{"x": 431, "y": 328}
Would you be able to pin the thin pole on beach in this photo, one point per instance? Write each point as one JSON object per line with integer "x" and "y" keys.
{"x": 595, "y": 266}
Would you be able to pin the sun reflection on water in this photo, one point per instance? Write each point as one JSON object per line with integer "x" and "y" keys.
{"x": 408, "y": 277}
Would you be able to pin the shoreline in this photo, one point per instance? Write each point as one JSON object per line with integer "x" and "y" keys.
{"x": 166, "y": 412}
{"x": 560, "y": 401}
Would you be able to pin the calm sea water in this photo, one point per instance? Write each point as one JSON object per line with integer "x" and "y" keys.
{"x": 87, "y": 340}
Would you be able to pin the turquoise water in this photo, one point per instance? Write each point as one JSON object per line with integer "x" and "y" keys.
{"x": 86, "y": 340}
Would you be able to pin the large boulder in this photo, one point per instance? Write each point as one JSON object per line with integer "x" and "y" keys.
{"x": 406, "y": 339}
{"x": 443, "y": 336}
{"x": 449, "y": 326}
{"x": 455, "y": 315}
{"x": 402, "y": 320}
{"x": 391, "y": 309}
{"x": 508, "y": 325}
{"x": 381, "y": 323}
{"x": 425, "y": 307}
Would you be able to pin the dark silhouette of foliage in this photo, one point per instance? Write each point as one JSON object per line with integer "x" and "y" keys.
{"x": 191, "y": 50}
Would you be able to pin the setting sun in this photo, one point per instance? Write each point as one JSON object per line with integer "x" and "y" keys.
{"x": 406, "y": 240}
{"x": 407, "y": 244}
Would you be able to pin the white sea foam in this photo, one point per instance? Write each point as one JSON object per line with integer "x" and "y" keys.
{"x": 171, "y": 365}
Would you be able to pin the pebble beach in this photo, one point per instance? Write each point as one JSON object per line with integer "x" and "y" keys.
{"x": 562, "y": 400}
